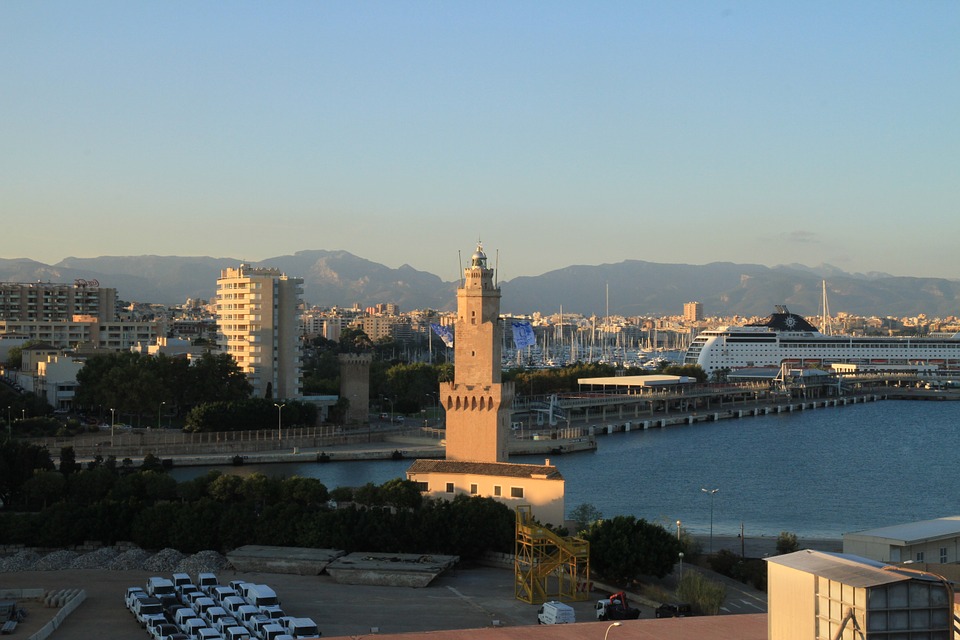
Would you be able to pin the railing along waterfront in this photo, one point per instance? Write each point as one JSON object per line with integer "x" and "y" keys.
{"x": 167, "y": 442}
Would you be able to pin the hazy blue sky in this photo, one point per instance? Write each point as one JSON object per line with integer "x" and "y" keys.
{"x": 558, "y": 132}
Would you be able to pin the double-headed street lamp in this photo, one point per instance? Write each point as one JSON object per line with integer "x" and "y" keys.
{"x": 712, "y": 493}
{"x": 279, "y": 420}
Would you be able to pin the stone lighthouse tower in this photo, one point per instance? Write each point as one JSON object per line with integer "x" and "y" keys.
{"x": 477, "y": 403}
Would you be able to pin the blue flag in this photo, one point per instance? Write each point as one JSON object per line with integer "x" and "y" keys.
{"x": 444, "y": 332}
{"x": 523, "y": 335}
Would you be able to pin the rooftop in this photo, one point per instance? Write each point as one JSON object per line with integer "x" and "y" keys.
{"x": 912, "y": 532}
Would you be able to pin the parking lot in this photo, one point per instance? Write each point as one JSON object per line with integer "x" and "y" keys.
{"x": 460, "y": 599}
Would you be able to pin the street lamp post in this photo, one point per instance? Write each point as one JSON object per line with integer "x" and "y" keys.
{"x": 434, "y": 404}
{"x": 159, "y": 409}
{"x": 681, "y": 565}
{"x": 712, "y": 493}
{"x": 390, "y": 415}
{"x": 113, "y": 421}
{"x": 279, "y": 420}
{"x": 612, "y": 625}
{"x": 8, "y": 420}
{"x": 678, "y": 531}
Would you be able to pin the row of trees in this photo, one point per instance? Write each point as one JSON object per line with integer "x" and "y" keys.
{"x": 66, "y": 506}
{"x": 249, "y": 414}
{"x": 139, "y": 385}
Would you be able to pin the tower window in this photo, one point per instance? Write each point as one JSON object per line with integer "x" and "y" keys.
{"x": 516, "y": 492}
{"x": 449, "y": 487}
{"x": 473, "y": 489}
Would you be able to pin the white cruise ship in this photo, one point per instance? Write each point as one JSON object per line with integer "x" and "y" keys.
{"x": 785, "y": 337}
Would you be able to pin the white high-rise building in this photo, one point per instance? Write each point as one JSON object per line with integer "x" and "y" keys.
{"x": 258, "y": 324}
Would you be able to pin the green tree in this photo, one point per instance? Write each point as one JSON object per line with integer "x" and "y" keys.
{"x": 624, "y": 548}
{"x": 585, "y": 514}
{"x": 355, "y": 340}
{"x": 91, "y": 486}
{"x": 689, "y": 370}
{"x": 787, "y": 543}
{"x": 402, "y": 494}
{"x": 410, "y": 385}
{"x": 68, "y": 461}
{"x": 307, "y": 493}
{"x": 44, "y": 489}
{"x": 18, "y": 461}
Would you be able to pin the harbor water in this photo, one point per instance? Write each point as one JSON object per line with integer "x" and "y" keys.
{"x": 816, "y": 473}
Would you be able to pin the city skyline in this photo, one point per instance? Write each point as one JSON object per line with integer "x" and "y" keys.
{"x": 574, "y": 133}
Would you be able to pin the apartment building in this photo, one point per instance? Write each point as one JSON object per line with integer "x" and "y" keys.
{"x": 53, "y": 302}
{"x": 693, "y": 311}
{"x": 115, "y": 335}
{"x": 258, "y": 325}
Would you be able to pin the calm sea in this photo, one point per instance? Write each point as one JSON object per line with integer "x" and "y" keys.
{"x": 817, "y": 473}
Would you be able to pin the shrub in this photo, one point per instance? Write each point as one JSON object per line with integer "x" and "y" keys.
{"x": 703, "y": 595}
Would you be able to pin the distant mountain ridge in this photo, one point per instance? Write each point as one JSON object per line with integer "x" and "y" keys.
{"x": 632, "y": 287}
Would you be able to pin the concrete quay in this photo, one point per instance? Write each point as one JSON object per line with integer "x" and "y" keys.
{"x": 412, "y": 444}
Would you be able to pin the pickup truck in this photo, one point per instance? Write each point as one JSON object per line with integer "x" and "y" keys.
{"x": 163, "y": 630}
{"x": 131, "y": 594}
{"x": 236, "y": 633}
{"x": 148, "y": 610}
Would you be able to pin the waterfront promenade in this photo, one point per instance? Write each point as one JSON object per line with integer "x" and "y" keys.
{"x": 377, "y": 442}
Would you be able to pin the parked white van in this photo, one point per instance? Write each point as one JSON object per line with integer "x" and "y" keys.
{"x": 555, "y": 613}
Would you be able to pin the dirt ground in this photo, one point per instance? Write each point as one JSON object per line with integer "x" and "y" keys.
{"x": 461, "y": 599}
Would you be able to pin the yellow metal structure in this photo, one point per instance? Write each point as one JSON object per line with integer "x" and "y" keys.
{"x": 548, "y": 566}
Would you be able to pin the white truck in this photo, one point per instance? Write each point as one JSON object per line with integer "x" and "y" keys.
{"x": 301, "y": 627}
{"x": 207, "y": 581}
{"x": 554, "y": 612}
{"x": 158, "y": 587}
{"x": 265, "y": 599}
{"x": 236, "y": 633}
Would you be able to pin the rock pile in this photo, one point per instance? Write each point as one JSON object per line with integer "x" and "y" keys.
{"x": 165, "y": 561}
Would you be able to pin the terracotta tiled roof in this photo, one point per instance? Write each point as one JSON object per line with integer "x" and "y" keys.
{"x": 738, "y": 627}
{"x": 485, "y": 468}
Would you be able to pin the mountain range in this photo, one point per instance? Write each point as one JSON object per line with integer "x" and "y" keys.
{"x": 630, "y": 288}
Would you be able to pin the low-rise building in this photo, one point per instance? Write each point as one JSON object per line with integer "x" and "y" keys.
{"x": 540, "y": 486}
{"x": 933, "y": 541}
{"x": 812, "y": 594}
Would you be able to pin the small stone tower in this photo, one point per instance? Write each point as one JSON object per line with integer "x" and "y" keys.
{"x": 355, "y": 386}
{"x": 477, "y": 403}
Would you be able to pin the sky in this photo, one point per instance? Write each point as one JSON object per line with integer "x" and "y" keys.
{"x": 558, "y": 133}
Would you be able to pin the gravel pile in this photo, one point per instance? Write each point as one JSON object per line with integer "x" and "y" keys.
{"x": 22, "y": 560}
{"x": 202, "y": 561}
{"x": 99, "y": 559}
{"x": 164, "y": 561}
{"x": 55, "y": 560}
{"x": 129, "y": 560}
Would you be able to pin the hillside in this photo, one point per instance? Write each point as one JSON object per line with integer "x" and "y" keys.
{"x": 632, "y": 287}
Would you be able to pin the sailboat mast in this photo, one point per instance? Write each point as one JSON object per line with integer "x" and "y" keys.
{"x": 826, "y": 326}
